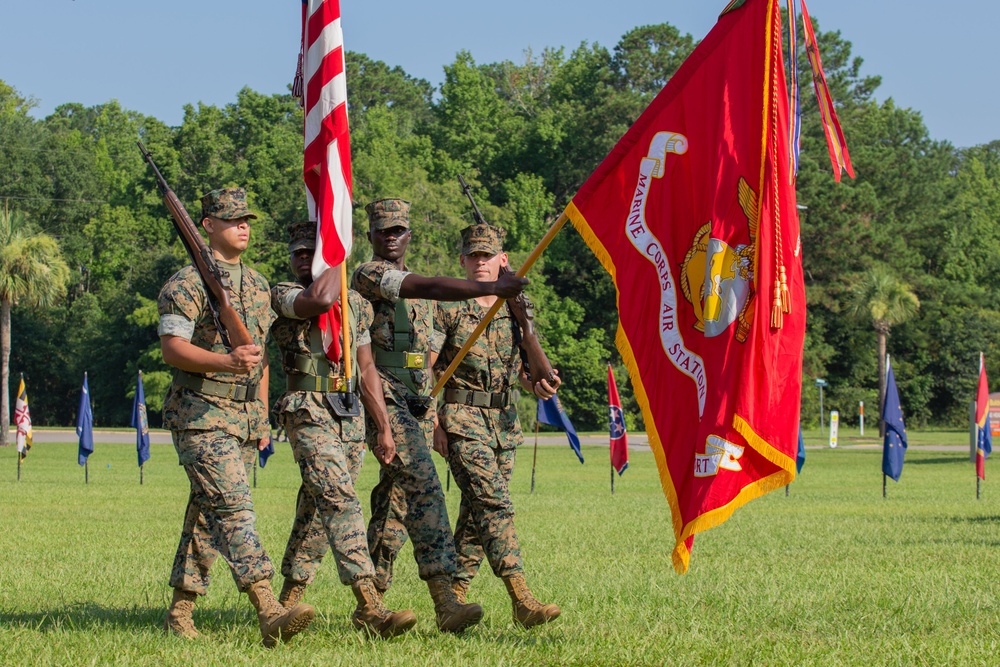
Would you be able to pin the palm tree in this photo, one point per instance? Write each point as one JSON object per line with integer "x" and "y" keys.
{"x": 32, "y": 273}
{"x": 887, "y": 301}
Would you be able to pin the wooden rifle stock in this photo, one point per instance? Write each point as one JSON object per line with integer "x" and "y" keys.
{"x": 234, "y": 333}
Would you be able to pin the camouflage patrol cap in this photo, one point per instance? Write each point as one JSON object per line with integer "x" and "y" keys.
{"x": 482, "y": 238}
{"x": 226, "y": 204}
{"x": 386, "y": 213}
{"x": 301, "y": 235}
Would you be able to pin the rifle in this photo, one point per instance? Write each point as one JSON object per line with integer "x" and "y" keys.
{"x": 234, "y": 333}
{"x": 536, "y": 364}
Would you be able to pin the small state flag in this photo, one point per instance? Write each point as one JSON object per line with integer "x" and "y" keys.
{"x": 894, "y": 445}
{"x": 265, "y": 454}
{"x": 984, "y": 439}
{"x": 616, "y": 426}
{"x": 140, "y": 423}
{"x": 550, "y": 411}
{"x": 22, "y": 418}
{"x": 85, "y": 424}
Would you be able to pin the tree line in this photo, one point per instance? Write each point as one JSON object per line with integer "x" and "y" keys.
{"x": 525, "y": 135}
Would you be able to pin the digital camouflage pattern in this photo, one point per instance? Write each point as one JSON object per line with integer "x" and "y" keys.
{"x": 482, "y": 238}
{"x": 183, "y": 409}
{"x": 328, "y": 450}
{"x": 374, "y": 281}
{"x": 301, "y": 235}
{"x": 482, "y": 441}
{"x": 226, "y": 204}
{"x": 420, "y": 512}
{"x": 411, "y": 477}
{"x": 485, "y": 524}
{"x": 493, "y": 364}
{"x": 386, "y": 213}
{"x": 219, "y": 520}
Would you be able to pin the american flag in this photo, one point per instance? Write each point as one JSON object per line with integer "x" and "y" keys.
{"x": 327, "y": 157}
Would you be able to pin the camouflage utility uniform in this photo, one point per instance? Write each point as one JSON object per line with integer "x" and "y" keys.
{"x": 328, "y": 449}
{"x": 480, "y": 418}
{"x": 216, "y": 420}
{"x": 411, "y": 478}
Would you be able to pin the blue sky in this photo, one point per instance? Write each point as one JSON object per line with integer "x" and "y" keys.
{"x": 156, "y": 56}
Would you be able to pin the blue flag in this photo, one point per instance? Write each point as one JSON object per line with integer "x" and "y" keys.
{"x": 550, "y": 411}
{"x": 894, "y": 445}
{"x": 265, "y": 453}
{"x": 800, "y": 456}
{"x": 85, "y": 425}
{"x": 140, "y": 423}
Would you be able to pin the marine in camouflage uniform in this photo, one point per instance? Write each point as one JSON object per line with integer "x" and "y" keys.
{"x": 479, "y": 429}
{"x": 404, "y": 344}
{"x": 327, "y": 439}
{"x": 216, "y": 410}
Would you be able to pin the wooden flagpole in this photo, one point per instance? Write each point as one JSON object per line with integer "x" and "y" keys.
{"x": 256, "y": 456}
{"x": 140, "y": 473}
{"x": 528, "y": 263}
{"x": 86, "y": 472}
{"x": 612, "y": 480}
{"x": 883, "y": 485}
{"x": 447, "y": 480}
{"x": 345, "y": 324}
{"x": 534, "y": 460}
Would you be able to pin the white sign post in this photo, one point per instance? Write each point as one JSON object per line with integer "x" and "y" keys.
{"x": 834, "y": 427}
{"x": 861, "y": 413}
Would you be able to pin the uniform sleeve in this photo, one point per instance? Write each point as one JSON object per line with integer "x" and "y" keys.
{"x": 180, "y": 305}
{"x": 436, "y": 341}
{"x": 366, "y": 280}
{"x": 392, "y": 281}
{"x": 269, "y": 316}
{"x": 283, "y": 297}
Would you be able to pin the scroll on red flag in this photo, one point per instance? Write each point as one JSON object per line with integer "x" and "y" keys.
{"x": 694, "y": 217}
{"x": 327, "y": 155}
{"x": 616, "y": 427}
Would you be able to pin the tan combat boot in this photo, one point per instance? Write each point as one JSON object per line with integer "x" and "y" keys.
{"x": 461, "y": 588}
{"x": 276, "y": 622}
{"x": 372, "y": 616}
{"x": 179, "y": 620}
{"x": 528, "y": 612}
{"x": 450, "y": 614}
{"x": 292, "y": 593}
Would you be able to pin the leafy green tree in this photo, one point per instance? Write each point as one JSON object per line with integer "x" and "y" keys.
{"x": 881, "y": 297}
{"x": 32, "y": 273}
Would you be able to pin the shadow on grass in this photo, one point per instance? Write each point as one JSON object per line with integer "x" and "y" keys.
{"x": 975, "y": 519}
{"x": 936, "y": 460}
{"x": 88, "y": 616}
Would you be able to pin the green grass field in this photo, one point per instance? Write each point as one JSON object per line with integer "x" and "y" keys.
{"x": 832, "y": 574}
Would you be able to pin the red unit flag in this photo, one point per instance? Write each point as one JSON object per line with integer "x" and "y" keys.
{"x": 694, "y": 217}
{"x": 327, "y": 155}
{"x": 616, "y": 427}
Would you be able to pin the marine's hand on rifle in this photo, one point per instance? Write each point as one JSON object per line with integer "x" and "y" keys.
{"x": 543, "y": 389}
{"x": 510, "y": 285}
{"x": 244, "y": 359}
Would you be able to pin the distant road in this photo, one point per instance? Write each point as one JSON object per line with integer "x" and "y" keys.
{"x": 636, "y": 441}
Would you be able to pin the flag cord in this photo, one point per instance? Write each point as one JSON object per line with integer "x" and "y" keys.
{"x": 781, "y": 303}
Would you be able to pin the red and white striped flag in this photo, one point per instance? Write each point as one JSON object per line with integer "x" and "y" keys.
{"x": 326, "y": 166}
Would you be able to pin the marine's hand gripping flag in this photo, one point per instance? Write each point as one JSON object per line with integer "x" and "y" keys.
{"x": 327, "y": 155}
{"x": 694, "y": 217}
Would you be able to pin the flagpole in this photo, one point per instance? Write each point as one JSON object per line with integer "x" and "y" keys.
{"x": 534, "y": 459}
{"x": 883, "y": 485}
{"x": 447, "y": 480}
{"x": 255, "y": 469}
{"x": 977, "y": 486}
{"x": 345, "y": 326}
{"x": 140, "y": 474}
{"x": 19, "y": 466}
{"x": 612, "y": 480}
{"x": 86, "y": 472}
{"x": 528, "y": 263}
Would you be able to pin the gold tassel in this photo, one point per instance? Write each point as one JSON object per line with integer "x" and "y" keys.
{"x": 777, "y": 319}
{"x": 786, "y": 297}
